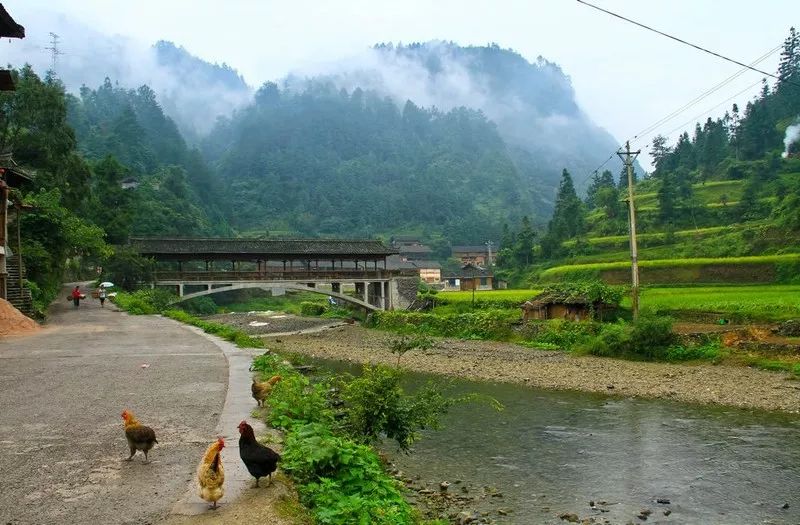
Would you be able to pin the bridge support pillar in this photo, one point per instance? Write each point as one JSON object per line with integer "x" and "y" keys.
{"x": 381, "y": 295}
{"x": 180, "y": 290}
{"x": 366, "y": 292}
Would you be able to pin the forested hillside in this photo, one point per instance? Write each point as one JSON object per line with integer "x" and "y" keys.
{"x": 79, "y": 151}
{"x": 330, "y": 162}
{"x": 531, "y": 102}
{"x": 128, "y": 136}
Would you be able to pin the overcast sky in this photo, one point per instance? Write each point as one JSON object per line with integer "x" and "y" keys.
{"x": 625, "y": 78}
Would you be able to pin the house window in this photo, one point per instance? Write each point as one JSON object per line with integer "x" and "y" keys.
{"x": 483, "y": 281}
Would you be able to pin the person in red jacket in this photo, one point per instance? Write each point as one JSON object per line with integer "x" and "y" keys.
{"x": 76, "y": 296}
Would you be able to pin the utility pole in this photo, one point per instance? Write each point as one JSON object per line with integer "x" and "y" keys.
{"x": 489, "y": 250}
{"x": 54, "y": 51}
{"x": 628, "y": 157}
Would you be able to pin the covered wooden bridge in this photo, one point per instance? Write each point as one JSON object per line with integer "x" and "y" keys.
{"x": 197, "y": 267}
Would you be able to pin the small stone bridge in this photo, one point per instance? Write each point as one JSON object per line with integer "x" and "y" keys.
{"x": 199, "y": 267}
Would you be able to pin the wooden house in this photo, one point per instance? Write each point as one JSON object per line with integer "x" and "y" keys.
{"x": 562, "y": 305}
{"x": 470, "y": 277}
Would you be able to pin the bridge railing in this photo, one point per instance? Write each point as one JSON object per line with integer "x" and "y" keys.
{"x": 295, "y": 275}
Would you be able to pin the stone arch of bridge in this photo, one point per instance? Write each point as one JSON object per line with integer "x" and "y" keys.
{"x": 283, "y": 286}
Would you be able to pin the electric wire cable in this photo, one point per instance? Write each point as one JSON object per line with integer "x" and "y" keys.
{"x": 702, "y": 96}
{"x": 685, "y": 42}
{"x": 695, "y": 119}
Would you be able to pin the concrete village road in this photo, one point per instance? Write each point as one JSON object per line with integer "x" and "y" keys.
{"x": 61, "y": 394}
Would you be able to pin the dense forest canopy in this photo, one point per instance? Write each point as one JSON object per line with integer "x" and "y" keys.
{"x": 330, "y": 162}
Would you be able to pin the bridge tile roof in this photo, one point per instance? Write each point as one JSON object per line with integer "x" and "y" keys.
{"x": 299, "y": 247}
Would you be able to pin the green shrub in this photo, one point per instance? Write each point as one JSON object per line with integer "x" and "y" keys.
{"x": 612, "y": 341}
{"x": 652, "y": 336}
{"x": 146, "y": 301}
{"x": 312, "y": 309}
{"x": 295, "y": 401}
{"x": 341, "y": 481}
{"x": 376, "y": 405}
{"x": 399, "y": 347}
{"x": 200, "y": 305}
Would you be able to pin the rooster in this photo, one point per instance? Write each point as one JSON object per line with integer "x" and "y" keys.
{"x": 260, "y": 460}
{"x": 139, "y": 436}
{"x": 210, "y": 474}
{"x": 261, "y": 390}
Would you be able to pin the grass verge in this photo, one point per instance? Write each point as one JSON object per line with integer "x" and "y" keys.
{"x": 239, "y": 338}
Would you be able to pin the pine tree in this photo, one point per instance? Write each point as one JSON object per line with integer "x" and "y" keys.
{"x": 789, "y": 65}
{"x": 523, "y": 249}
{"x": 667, "y": 196}
{"x": 599, "y": 181}
{"x": 660, "y": 152}
{"x": 568, "y": 220}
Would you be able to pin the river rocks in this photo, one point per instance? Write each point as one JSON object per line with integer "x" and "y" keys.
{"x": 785, "y": 506}
{"x": 667, "y": 512}
{"x": 444, "y": 485}
{"x": 663, "y": 501}
{"x": 570, "y": 517}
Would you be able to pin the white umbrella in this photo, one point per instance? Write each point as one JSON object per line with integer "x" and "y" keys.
{"x": 107, "y": 284}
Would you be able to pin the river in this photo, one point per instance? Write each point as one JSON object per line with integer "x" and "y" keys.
{"x": 554, "y": 452}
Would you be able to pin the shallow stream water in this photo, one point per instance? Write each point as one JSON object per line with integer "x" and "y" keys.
{"x": 552, "y": 452}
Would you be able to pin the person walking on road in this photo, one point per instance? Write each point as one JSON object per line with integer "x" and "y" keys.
{"x": 101, "y": 294}
{"x": 76, "y": 296}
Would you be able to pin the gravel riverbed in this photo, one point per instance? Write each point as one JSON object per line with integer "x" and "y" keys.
{"x": 505, "y": 362}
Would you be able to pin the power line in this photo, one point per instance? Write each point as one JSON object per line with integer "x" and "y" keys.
{"x": 702, "y": 96}
{"x": 700, "y": 48}
{"x": 694, "y": 101}
{"x": 694, "y": 119}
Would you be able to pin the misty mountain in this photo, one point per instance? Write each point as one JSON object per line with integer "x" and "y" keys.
{"x": 205, "y": 91}
{"x": 332, "y": 162}
{"x": 533, "y": 104}
{"x": 192, "y": 91}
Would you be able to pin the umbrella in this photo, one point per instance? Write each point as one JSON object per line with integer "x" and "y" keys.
{"x": 107, "y": 284}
